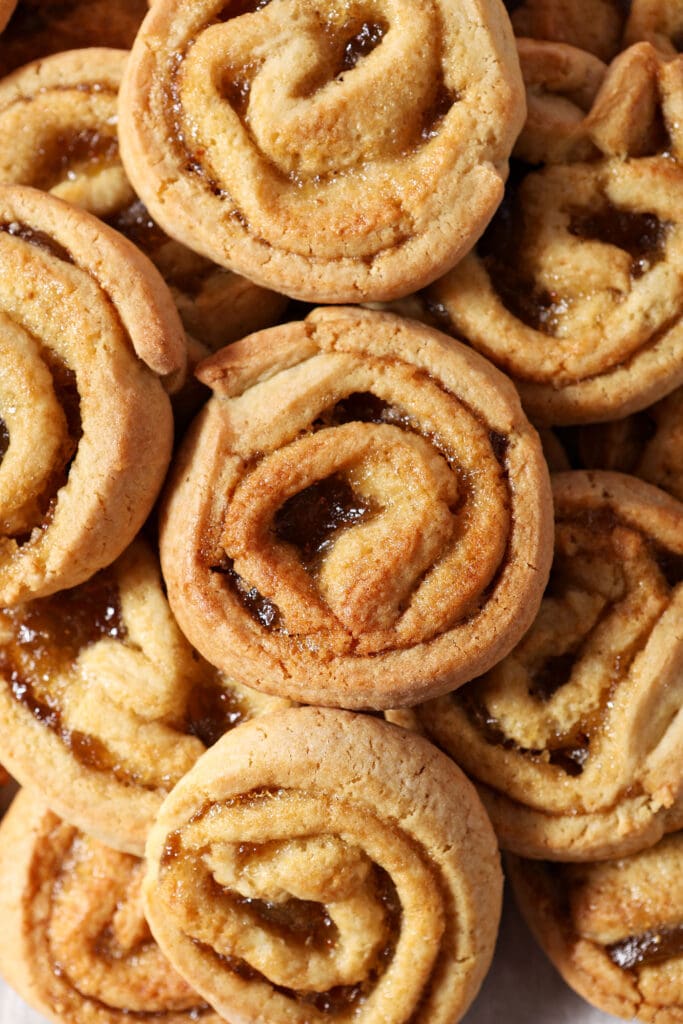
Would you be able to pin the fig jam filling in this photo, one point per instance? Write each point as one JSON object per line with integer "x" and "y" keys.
{"x": 37, "y": 238}
{"x": 311, "y": 519}
{"x": 212, "y": 710}
{"x": 313, "y": 919}
{"x": 4, "y": 439}
{"x": 261, "y": 609}
{"x": 642, "y": 235}
{"x": 434, "y": 115}
{"x": 653, "y": 946}
{"x": 70, "y": 153}
{"x": 362, "y": 43}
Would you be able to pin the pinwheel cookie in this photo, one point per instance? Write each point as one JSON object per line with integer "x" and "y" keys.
{"x": 320, "y": 866}
{"x": 59, "y": 117}
{"x": 333, "y": 152}
{"x": 103, "y": 703}
{"x": 614, "y": 930}
{"x": 73, "y": 938}
{"x": 576, "y": 290}
{"x": 576, "y": 738}
{"x": 360, "y": 516}
{"x": 88, "y": 331}
{"x": 42, "y": 27}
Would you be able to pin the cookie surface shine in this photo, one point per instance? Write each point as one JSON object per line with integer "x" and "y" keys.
{"x": 360, "y": 515}
{"x": 335, "y": 152}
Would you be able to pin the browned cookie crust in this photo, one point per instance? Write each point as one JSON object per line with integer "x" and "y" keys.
{"x": 324, "y": 866}
{"x": 614, "y": 930}
{"x": 73, "y": 939}
{"x": 576, "y": 738}
{"x": 360, "y": 516}
{"x": 328, "y": 154}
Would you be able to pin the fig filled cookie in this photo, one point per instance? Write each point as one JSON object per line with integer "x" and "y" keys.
{"x": 337, "y": 152}
{"x": 614, "y": 929}
{"x": 321, "y": 866}
{"x": 89, "y": 334}
{"x": 73, "y": 938}
{"x": 59, "y": 118}
{"x": 576, "y": 738}
{"x": 360, "y": 516}
{"x": 104, "y": 705}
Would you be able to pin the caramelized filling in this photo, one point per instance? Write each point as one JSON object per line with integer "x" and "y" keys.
{"x": 434, "y": 115}
{"x": 651, "y": 947}
{"x": 362, "y": 43}
{"x": 67, "y": 152}
{"x": 236, "y": 8}
{"x": 237, "y": 91}
{"x": 364, "y": 407}
{"x": 135, "y": 223}
{"x": 642, "y": 235}
{"x": 4, "y": 439}
{"x": 48, "y": 635}
{"x": 671, "y": 566}
{"x": 259, "y": 607}
{"x": 301, "y": 921}
{"x": 212, "y": 710}
{"x": 37, "y": 238}
{"x": 310, "y": 520}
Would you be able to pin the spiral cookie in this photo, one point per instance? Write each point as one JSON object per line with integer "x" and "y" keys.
{"x": 576, "y": 290}
{"x": 359, "y": 516}
{"x": 42, "y": 27}
{"x": 319, "y": 865}
{"x": 73, "y": 938}
{"x": 660, "y": 24}
{"x": 577, "y": 737}
{"x": 614, "y": 930}
{"x": 60, "y": 115}
{"x": 592, "y": 25}
{"x": 279, "y": 140}
{"x": 648, "y": 444}
{"x": 103, "y": 703}
{"x": 87, "y": 327}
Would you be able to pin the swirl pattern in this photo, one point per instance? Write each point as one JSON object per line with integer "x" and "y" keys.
{"x": 297, "y": 865}
{"x": 86, "y": 328}
{"x": 361, "y": 544}
{"x": 300, "y": 159}
{"x": 614, "y": 930}
{"x": 74, "y": 939}
{"x": 61, "y": 115}
{"x": 103, "y": 684}
{"x": 576, "y": 289}
{"x": 577, "y": 736}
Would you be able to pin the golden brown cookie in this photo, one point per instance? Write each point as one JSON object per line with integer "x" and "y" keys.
{"x": 59, "y": 117}
{"x": 648, "y": 444}
{"x": 614, "y": 930}
{"x": 576, "y": 738}
{"x": 320, "y": 865}
{"x": 6, "y": 8}
{"x": 360, "y": 515}
{"x": 73, "y": 938}
{"x": 89, "y": 329}
{"x": 561, "y": 85}
{"x": 280, "y": 140}
{"x": 593, "y": 25}
{"x": 103, "y": 703}
{"x": 42, "y": 27}
{"x": 660, "y": 22}
{"x": 576, "y": 290}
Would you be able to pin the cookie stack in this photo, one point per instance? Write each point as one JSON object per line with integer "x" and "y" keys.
{"x": 286, "y": 293}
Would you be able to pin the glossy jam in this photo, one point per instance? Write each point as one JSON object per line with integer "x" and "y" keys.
{"x": 259, "y": 607}
{"x": 136, "y": 224}
{"x": 651, "y": 947}
{"x": 37, "y": 238}
{"x": 68, "y": 153}
{"x": 434, "y": 115}
{"x": 365, "y": 40}
{"x": 4, "y": 439}
{"x": 309, "y": 520}
{"x": 642, "y": 235}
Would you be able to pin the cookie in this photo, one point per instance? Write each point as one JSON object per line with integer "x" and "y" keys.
{"x": 576, "y": 738}
{"x": 6, "y": 8}
{"x": 326, "y": 152}
{"x": 576, "y": 290}
{"x": 359, "y": 517}
{"x": 612, "y": 929}
{"x": 593, "y": 25}
{"x": 104, "y": 705}
{"x": 90, "y": 333}
{"x": 320, "y": 863}
{"x": 74, "y": 942}
{"x": 60, "y": 115}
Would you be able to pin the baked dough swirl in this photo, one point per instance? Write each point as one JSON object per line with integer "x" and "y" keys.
{"x": 614, "y": 930}
{"x": 359, "y": 516}
{"x": 60, "y": 119}
{"x": 325, "y": 866}
{"x": 103, "y": 703}
{"x": 74, "y": 941}
{"x": 88, "y": 329}
{"x": 277, "y": 138}
{"x": 576, "y": 739}
{"x": 576, "y": 291}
